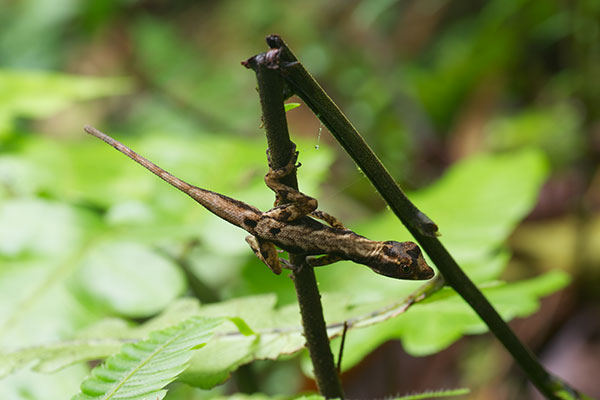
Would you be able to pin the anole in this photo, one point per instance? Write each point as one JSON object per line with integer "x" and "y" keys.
{"x": 291, "y": 228}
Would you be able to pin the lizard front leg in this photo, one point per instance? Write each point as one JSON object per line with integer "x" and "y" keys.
{"x": 323, "y": 260}
{"x": 327, "y": 258}
{"x": 266, "y": 252}
{"x": 299, "y": 204}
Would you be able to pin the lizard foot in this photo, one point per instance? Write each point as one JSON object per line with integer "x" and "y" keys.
{"x": 285, "y": 264}
{"x": 279, "y": 173}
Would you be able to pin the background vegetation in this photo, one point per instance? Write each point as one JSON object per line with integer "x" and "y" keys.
{"x": 487, "y": 111}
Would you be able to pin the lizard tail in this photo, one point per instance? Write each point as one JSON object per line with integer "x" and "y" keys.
{"x": 227, "y": 208}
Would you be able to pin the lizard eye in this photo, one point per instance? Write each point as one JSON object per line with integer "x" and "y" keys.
{"x": 405, "y": 269}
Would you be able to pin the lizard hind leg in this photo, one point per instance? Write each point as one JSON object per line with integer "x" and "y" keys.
{"x": 297, "y": 204}
{"x": 286, "y": 170}
{"x": 266, "y": 252}
{"x": 330, "y": 219}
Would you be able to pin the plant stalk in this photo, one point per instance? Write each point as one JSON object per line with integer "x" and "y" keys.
{"x": 271, "y": 93}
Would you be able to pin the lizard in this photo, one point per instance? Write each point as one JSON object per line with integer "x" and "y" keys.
{"x": 294, "y": 226}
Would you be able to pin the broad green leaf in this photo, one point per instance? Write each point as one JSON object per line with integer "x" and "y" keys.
{"x": 42, "y": 241}
{"x": 277, "y": 331}
{"x": 242, "y": 326}
{"x": 441, "y": 320}
{"x": 427, "y": 328}
{"x": 28, "y": 385}
{"x": 19, "y": 177}
{"x": 480, "y": 201}
{"x": 53, "y": 357}
{"x": 476, "y": 204}
{"x": 38, "y": 94}
{"x": 141, "y": 370}
{"x": 38, "y": 227}
{"x": 34, "y": 293}
{"x": 129, "y": 279}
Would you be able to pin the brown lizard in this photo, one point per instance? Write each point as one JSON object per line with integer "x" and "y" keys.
{"x": 291, "y": 228}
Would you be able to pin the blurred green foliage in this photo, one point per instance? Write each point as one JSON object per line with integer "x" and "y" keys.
{"x": 91, "y": 245}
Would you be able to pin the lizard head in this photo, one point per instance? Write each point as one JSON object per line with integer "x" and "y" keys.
{"x": 402, "y": 260}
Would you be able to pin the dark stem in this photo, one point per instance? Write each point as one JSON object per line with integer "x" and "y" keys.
{"x": 271, "y": 92}
{"x": 300, "y": 82}
{"x": 341, "y": 352}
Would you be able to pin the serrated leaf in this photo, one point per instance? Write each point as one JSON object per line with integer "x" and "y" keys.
{"x": 141, "y": 370}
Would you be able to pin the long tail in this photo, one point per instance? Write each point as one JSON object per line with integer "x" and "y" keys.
{"x": 231, "y": 210}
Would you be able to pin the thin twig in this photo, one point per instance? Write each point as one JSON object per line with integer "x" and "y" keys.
{"x": 339, "y": 362}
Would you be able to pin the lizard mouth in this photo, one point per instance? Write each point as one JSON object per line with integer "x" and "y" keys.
{"x": 427, "y": 274}
{"x": 422, "y": 270}
{"x": 425, "y": 271}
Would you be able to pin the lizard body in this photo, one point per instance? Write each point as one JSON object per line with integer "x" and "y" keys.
{"x": 291, "y": 228}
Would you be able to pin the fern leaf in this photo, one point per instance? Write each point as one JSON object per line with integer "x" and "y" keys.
{"x": 141, "y": 370}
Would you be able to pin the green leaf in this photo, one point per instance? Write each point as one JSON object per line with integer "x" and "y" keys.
{"x": 19, "y": 176}
{"x": 554, "y": 129}
{"x": 476, "y": 204}
{"x": 480, "y": 201}
{"x": 33, "y": 292}
{"x": 436, "y": 323}
{"x": 142, "y": 370}
{"x": 28, "y": 385}
{"x": 38, "y": 227}
{"x": 502, "y": 187}
{"x": 435, "y": 394}
{"x": 242, "y": 326}
{"x": 40, "y": 94}
{"x": 262, "y": 396}
{"x": 53, "y": 357}
{"x": 430, "y": 326}
{"x": 129, "y": 279}
{"x": 291, "y": 106}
